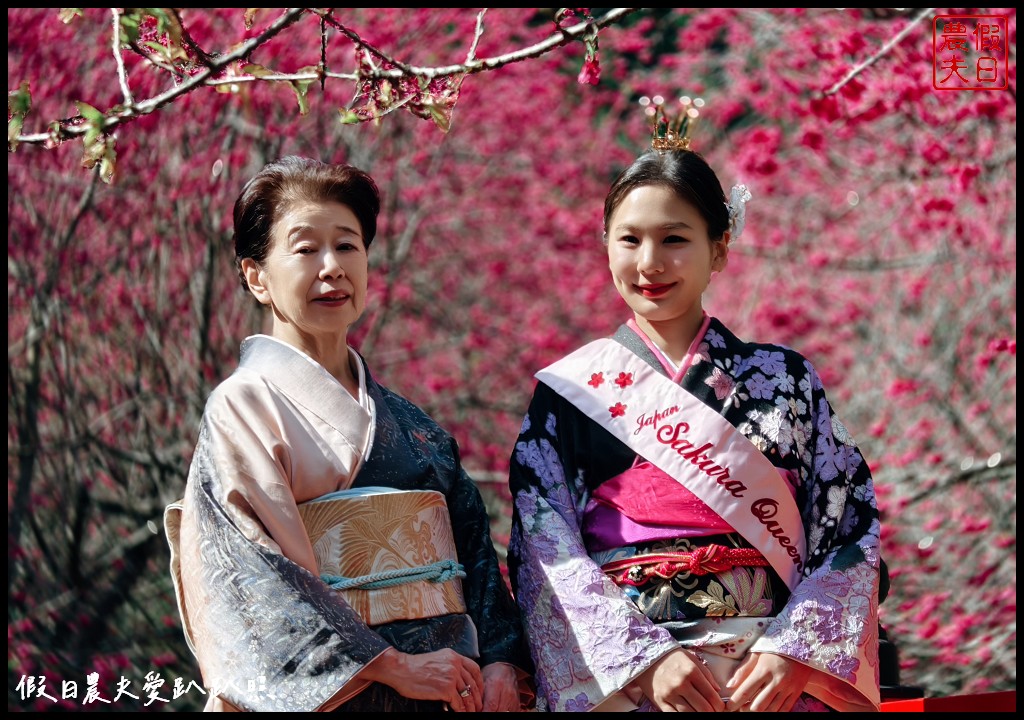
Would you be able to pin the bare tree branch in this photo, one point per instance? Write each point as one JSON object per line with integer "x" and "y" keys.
{"x": 122, "y": 76}
{"x": 884, "y": 49}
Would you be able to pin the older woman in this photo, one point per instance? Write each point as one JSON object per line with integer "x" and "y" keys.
{"x": 330, "y": 551}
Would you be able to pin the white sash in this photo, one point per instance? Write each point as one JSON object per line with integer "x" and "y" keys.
{"x": 663, "y": 423}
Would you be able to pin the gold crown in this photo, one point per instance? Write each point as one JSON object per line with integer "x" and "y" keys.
{"x": 668, "y": 132}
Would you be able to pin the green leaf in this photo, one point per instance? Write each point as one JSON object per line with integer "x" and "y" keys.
{"x": 301, "y": 87}
{"x": 108, "y": 162}
{"x": 129, "y": 29}
{"x": 89, "y": 112}
{"x": 170, "y": 54}
{"x": 13, "y": 131}
{"x": 19, "y": 102}
{"x": 257, "y": 70}
{"x": 349, "y": 117}
{"x": 94, "y": 121}
{"x": 92, "y": 151}
{"x": 166, "y": 23}
{"x": 101, "y": 153}
{"x": 440, "y": 118}
{"x": 66, "y": 15}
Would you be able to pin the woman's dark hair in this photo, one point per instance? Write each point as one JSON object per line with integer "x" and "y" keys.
{"x": 292, "y": 179}
{"x": 685, "y": 172}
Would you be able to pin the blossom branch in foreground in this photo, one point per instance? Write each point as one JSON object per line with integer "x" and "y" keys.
{"x": 93, "y": 123}
{"x": 81, "y": 125}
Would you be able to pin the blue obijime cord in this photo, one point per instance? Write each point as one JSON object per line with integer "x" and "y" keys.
{"x": 441, "y": 571}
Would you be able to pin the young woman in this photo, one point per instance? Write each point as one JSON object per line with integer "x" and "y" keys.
{"x": 330, "y": 552}
{"x": 693, "y": 528}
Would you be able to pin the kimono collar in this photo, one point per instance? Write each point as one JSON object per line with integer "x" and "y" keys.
{"x": 633, "y": 338}
{"x": 307, "y": 383}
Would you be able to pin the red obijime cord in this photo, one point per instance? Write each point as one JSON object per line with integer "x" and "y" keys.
{"x": 710, "y": 559}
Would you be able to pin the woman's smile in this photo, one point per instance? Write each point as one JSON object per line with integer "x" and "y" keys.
{"x": 332, "y": 299}
{"x": 654, "y": 290}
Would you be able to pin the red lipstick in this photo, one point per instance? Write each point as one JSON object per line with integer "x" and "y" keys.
{"x": 655, "y": 290}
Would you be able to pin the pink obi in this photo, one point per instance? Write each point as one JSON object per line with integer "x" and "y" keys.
{"x": 645, "y": 504}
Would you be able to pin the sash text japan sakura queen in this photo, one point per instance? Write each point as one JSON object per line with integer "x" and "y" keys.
{"x": 763, "y": 509}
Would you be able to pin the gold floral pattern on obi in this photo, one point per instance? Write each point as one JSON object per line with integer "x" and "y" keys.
{"x": 357, "y": 535}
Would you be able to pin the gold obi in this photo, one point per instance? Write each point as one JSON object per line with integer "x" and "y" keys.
{"x": 381, "y": 541}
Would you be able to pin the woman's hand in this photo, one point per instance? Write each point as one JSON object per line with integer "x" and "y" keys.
{"x": 680, "y": 682}
{"x": 440, "y": 675}
{"x": 767, "y": 683}
{"x": 501, "y": 688}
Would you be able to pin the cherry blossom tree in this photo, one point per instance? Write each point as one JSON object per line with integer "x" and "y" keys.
{"x": 880, "y": 242}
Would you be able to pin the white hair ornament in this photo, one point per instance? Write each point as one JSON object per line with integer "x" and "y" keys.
{"x": 737, "y": 206}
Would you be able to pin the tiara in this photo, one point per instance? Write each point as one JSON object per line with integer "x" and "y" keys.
{"x": 667, "y": 132}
